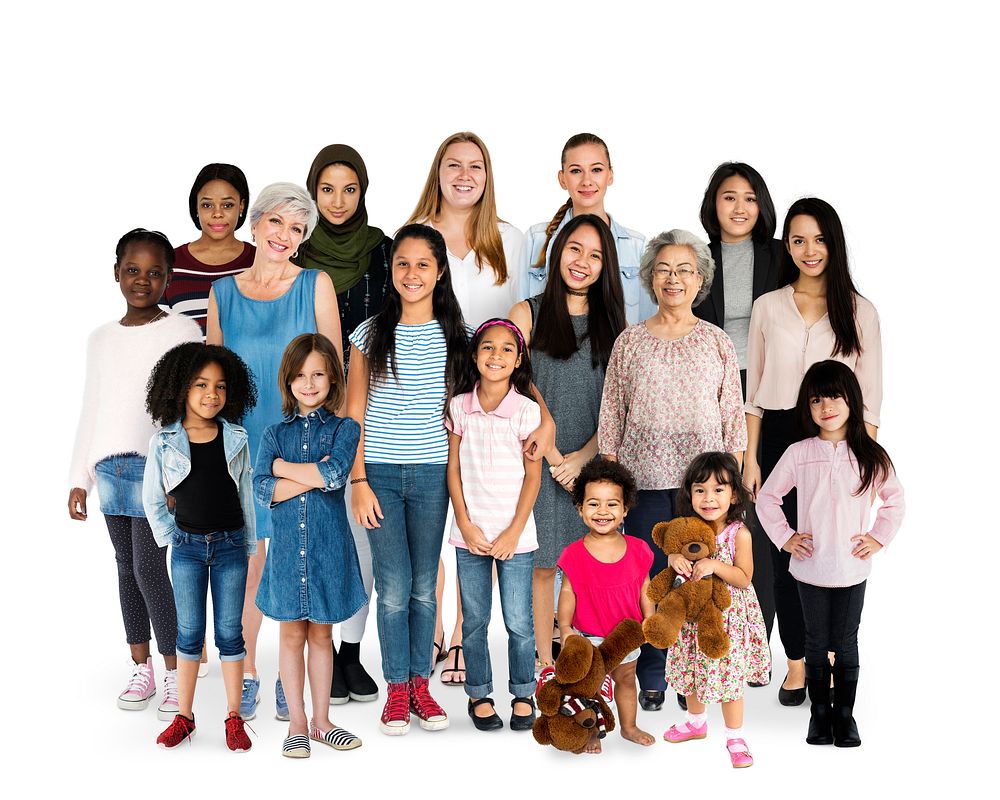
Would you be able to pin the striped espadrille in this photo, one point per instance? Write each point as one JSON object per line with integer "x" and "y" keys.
{"x": 296, "y": 746}
{"x": 337, "y": 738}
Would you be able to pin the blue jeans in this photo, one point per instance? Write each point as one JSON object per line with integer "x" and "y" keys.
{"x": 475, "y": 579}
{"x": 405, "y": 552}
{"x": 218, "y": 558}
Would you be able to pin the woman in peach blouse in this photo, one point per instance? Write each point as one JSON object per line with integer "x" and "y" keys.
{"x": 671, "y": 392}
{"x": 816, "y": 315}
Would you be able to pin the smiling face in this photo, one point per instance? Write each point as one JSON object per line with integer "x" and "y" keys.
{"x": 582, "y": 258}
{"x": 415, "y": 271}
{"x": 711, "y": 501}
{"x": 496, "y": 354}
{"x": 736, "y": 208}
{"x": 807, "y": 246}
{"x": 462, "y": 175}
{"x": 219, "y": 209}
{"x": 311, "y": 384}
{"x": 676, "y": 280}
{"x": 207, "y": 395}
{"x": 586, "y": 175}
{"x": 831, "y": 415}
{"x": 142, "y": 274}
{"x": 338, "y": 193}
{"x": 278, "y": 235}
{"x": 603, "y": 507}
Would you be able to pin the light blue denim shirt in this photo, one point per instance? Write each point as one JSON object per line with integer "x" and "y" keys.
{"x": 630, "y": 244}
{"x": 169, "y": 463}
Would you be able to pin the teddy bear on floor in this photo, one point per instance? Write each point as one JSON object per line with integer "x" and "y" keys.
{"x": 679, "y": 600}
{"x": 570, "y": 702}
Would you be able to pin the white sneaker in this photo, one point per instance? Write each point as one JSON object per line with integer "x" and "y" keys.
{"x": 141, "y": 687}
{"x": 169, "y": 708}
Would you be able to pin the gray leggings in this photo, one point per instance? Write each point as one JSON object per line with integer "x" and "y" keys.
{"x": 143, "y": 583}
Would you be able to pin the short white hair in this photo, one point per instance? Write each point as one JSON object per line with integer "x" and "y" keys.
{"x": 702, "y": 256}
{"x": 289, "y": 198}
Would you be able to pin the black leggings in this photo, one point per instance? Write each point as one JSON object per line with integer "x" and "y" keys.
{"x": 143, "y": 583}
{"x": 832, "y": 618}
{"x": 777, "y": 432}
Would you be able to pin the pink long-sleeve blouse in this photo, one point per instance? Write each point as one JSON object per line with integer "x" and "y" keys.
{"x": 667, "y": 401}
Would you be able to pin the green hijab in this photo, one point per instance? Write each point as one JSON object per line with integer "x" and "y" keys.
{"x": 342, "y": 251}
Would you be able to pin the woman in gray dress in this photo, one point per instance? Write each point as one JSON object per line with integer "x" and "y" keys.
{"x": 570, "y": 328}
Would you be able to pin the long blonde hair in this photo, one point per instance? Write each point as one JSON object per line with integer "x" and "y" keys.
{"x": 481, "y": 229}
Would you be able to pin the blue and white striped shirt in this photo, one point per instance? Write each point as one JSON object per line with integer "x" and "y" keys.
{"x": 404, "y": 422}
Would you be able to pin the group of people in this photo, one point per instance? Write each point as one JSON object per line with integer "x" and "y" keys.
{"x": 304, "y": 418}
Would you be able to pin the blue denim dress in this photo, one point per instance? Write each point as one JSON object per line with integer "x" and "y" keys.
{"x": 312, "y": 570}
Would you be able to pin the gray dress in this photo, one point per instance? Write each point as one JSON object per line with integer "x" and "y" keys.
{"x": 572, "y": 390}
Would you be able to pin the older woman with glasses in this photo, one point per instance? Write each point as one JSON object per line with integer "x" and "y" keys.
{"x": 672, "y": 391}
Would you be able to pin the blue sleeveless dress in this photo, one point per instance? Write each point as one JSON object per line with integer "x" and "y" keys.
{"x": 259, "y": 331}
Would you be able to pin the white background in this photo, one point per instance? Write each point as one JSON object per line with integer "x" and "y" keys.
{"x": 881, "y": 109}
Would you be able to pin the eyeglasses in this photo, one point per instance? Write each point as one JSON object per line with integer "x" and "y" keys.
{"x": 684, "y": 273}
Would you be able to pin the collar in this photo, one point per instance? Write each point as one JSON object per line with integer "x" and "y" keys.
{"x": 320, "y": 412}
{"x": 508, "y": 407}
{"x": 617, "y": 230}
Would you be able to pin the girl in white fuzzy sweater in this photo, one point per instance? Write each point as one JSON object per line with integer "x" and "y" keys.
{"x": 111, "y": 443}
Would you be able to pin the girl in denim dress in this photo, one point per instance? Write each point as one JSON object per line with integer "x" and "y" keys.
{"x": 312, "y": 578}
{"x": 201, "y": 459}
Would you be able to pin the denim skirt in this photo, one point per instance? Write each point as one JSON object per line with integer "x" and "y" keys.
{"x": 119, "y": 485}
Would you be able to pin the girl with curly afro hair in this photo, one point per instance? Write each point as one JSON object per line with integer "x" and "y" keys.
{"x": 201, "y": 459}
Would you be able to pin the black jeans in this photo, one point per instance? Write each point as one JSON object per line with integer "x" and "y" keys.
{"x": 832, "y": 619}
{"x": 654, "y": 505}
{"x": 778, "y": 431}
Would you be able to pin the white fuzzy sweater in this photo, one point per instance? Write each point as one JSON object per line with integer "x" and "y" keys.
{"x": 113, "y": 419}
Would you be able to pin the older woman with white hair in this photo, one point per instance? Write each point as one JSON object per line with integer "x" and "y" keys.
{"x": 671, "y": 392}
{"x": 256, "y": 314}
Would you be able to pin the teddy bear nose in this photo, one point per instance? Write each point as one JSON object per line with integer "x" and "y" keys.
{"x": 694, "y": 547}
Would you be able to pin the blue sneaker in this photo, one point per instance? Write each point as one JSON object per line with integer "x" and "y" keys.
{"x": 280, "y": 704}
{"x": 250, "y": 697}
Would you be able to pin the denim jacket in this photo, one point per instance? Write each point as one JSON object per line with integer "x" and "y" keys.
{"x": 169, "y": 463}
{"x": 629, "y": 245}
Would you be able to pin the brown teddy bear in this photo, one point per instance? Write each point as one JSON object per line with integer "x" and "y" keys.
{"x": 570, "y": 703}
{"x": 679, "y": 600}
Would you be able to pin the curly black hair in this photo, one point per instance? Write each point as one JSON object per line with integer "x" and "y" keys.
{"x": 724, "y": 468}
{"x": 600, "y": 470}
{"x": 170, "y": 380}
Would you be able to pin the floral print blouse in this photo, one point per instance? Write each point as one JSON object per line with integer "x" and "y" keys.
{"x": 667, "y": 401}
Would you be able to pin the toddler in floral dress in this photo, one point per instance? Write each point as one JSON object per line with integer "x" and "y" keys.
{"x": 712, "y": 489}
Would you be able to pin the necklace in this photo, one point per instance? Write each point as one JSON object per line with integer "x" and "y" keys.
{"x": 125, "y": 324}
{"x": 576, "y": 293}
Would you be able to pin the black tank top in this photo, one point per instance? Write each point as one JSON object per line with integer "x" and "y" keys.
{"x": 207, "y": 499}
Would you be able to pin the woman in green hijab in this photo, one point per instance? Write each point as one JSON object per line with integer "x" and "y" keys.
{"x": 356, "y": 256}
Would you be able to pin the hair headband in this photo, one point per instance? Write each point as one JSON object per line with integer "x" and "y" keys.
{"x": 503, "y": 323}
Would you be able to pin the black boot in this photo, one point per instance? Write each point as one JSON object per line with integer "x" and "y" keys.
{"x": 360, "y": 685}
{"x": 820, "y": 713}
{"x": 845, "y": 689}
{"x": 338, "y": 686}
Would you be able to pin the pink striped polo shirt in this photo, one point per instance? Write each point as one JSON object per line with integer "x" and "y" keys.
{"x": 492, "y": 463}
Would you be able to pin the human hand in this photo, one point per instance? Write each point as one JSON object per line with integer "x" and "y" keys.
{"x": 866, "y": 546}
{"x": 703, "y": 568}
{"x": 276, "y": 468}
{"x": 679, "y": 564}
{"x": 540, "y": 441}
{"x": 475, "y": 540}
{"x": 505, "y": 545}
{"x": 751, "y": 475}
{"x": 800, "y": 545}
{"x": 78, "y": 504}
{"x": 567, "y": 471}
{"x": 365, "y": 507}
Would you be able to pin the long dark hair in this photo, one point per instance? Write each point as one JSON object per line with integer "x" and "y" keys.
{"x": 520, "y": 378}
{"x": 835, "y": 379}
{"x": 767, "y": 219}
{"x": 381, "y": 342}
{"x": 841, "y": 293}
{"x": 553, "y": 333}
{"x": 722, "y": 467}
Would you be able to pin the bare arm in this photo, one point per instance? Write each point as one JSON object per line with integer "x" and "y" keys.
{"x": 213, "y": 330}
{"x": 751, "y": 470}
{"x": 566, "y": 609}
{"x": 328, "y": 314}
{"x": 307, "y": 474}
{"x": 364, "y": 503}
{"x": 285, "y": 489}
{"x": 738, "y": 574}
{"x": 648, "y": 606}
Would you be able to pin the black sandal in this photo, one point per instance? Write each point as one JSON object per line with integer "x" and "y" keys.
{"x": 490, "y": 723}
{"x": 453, "y": 681}
{"x": 522, "y": 722}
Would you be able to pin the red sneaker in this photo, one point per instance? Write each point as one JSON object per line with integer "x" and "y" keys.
{"x": 236, "y": 737}
{"x": 396, "y": 713}
{"x": 180, "y": 729}
{"x": 432, "y": 716}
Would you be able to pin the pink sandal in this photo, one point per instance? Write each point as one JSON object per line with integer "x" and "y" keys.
{"x": 682, "y": 733}
{"x": 739, "y": 754}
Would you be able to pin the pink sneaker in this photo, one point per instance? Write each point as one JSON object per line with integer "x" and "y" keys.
{"x": 682, "y": 733}
{"x": 738, "y": 753}
{"x": 141, "y": 687}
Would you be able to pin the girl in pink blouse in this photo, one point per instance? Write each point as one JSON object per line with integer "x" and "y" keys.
{"x": 605, "y": 576}
{"x": 837, "y": 473}
{"x": 818, "y": 314}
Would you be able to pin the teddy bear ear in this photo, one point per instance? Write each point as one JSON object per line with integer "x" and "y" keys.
{"x": 660, "y": 531}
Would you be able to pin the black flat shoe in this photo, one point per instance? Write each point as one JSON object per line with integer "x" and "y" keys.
{"x": 522, "y": 722}
{"x": 791, "y": 697}
{"x": 490, "y": 723}
{"x": 682, "y": 702}
{"x": 651, "y": 700}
